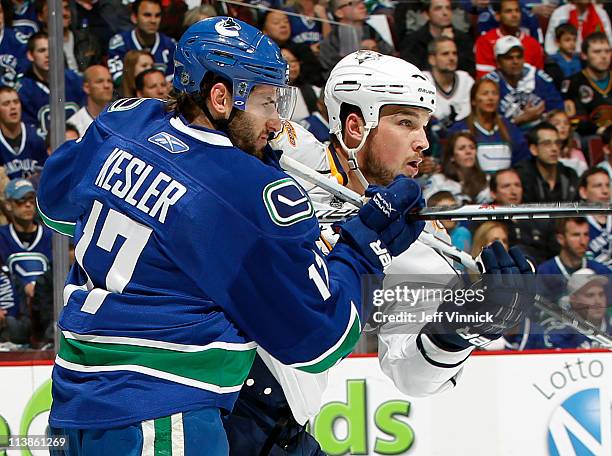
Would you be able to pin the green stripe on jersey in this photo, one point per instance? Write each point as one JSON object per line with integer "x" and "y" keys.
{"x": 163, "y": 436}
{"x": 347, "y": 345}
{"x": 215, "y": 366}
{"x": 65, "y": 228}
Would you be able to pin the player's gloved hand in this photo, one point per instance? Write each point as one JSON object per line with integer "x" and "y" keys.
{"x": 501, "y": 298}
{"x": 383, "y": 227}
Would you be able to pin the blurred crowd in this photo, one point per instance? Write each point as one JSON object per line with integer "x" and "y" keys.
{"x": 523, "y": 116}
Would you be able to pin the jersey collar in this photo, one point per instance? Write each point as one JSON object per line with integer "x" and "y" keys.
{"x": 202, "y": 134}
{"x": 21, "y": 146}
{"x": 139, "y": 47}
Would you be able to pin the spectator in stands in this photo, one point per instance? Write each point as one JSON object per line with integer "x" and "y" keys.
{"x": 571, "y": 155}
{"x": 307, "y": 94}
{"x": 585, "y": 15}
{"x": 151, "y": 83}
{"x": 499, "y": 143}
{"x": 509, "y": 13}
{"x": 22, "y": 151}
{"x": 566, "y": 57}
{"x": 146, "y": 14}
{"x": 13, "y": 60}
{"x": 196, "y": 14}
{"x": 594, "y": 187}
{"x": 134, "y": 63}
{"x": 461, "y": 176}
{"x": 81, "y": 48}
{"x": 22, "y": 17}
{"x": 486, "y": 234}
{"x": 588, "y": 94}
{"x": 101, "y": 18}
{"x": 606, "y": 138}
{"x": 318, "y": 122}
{"x": 453, "y": 86}
{"x": 25, "y": 245}
{"x": 306, "y": 30}
{"x": 276, "y": 25}
{"x": 534, "y": 237}
{"x": 414, "y": 46}
{"x": 459, "y": 234}
{"x": 573, "y": 237}
{"x": 15, "y": 325}
{"x": 98, "y": 86}
{"x": 544, "y": 177}
{"x": 34, "y": 87}
{"x": 526, "y": 92}
{"x": 346, "y": 38}
{"x": 487, "y": 17}
{"x": 71, "y": 133}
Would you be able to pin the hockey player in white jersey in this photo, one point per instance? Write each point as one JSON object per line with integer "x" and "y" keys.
{"x": 378, "y": 108}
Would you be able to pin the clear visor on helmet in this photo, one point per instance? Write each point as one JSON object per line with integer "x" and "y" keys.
{"x": 271, "y": 101}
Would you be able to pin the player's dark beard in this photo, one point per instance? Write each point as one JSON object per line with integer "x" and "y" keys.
{"x": 241, "y": 131}
{"x": 373, "y": 169}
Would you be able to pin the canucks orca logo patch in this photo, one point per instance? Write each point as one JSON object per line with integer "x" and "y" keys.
{"x": 228, "y": 27}
{"x": 286, "y": 202}
{"x": 169, "y": 142}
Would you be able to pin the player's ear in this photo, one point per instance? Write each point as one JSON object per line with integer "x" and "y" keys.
{"x": 353, "y": 130}
{"x": 220, "y": 99}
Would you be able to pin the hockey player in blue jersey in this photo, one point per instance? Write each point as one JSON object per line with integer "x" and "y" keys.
{"x": 145, "y": 36}
{"x": 22, "y": 151}
{"x": 191, "y": 247}
{"x": 34, "y": 87}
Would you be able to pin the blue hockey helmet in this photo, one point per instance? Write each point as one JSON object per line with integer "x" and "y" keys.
{"x": 237, "y": 51}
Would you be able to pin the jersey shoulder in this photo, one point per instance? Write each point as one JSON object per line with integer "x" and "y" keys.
{"x": 119, "y": 41}
{"x": 300, "y": 144}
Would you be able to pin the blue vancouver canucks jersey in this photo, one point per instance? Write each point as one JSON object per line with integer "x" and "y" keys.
{"x": 188, "y": 251}
{"x": 26, "y": 160}
{"x": 162, "y": 52}
{"x": 13, "y": 60}
{"x": 34, "y": 96}
{"x": 26, "y": 262}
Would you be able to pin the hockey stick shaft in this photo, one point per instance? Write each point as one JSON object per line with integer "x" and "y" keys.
{"x": 455, "y": 213}
{"x": 344, "y": 194}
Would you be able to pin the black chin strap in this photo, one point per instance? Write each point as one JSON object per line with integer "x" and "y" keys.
{"x": 218, "y": 124}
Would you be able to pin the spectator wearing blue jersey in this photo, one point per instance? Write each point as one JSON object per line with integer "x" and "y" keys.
{"x": 572, "y": 234}
{"x": 500, "y": 144}
{"x": 34, "y": 87}
{"x": 526, "y": 92}
{"x": 146, "y": 15}
{"x": 304, "y": 28}
{"x": 13, "y": 60}
{"x": 544, "y": 178}
{"x": 594, "y": 187}
{"x": 23, "y": 18}
{"x": 318, "y": 122}
{"x": 22, "y": 151}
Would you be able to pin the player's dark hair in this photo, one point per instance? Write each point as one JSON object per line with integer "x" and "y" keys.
{"x": 473, "y": 180}
{"x": 497, "y": 4}
{"x": 565, "y": 29}
{"x": 533, "y": 136}
{"x": 139, "y": 82}
{"x": 493, "y": 181}
{"x": 593, "y": 170}
{"x": 136, "y": 4}
{"x": 432, "y": 47}
{"x": 593, "y": 38}
{"x": 435, "y": 199}
{"x": 188, "y": 105}
{"x": 34, "y": 38}
{"x": 561, "y": 224}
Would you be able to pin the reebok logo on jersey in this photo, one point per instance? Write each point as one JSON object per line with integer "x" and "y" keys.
{"x": 286, "y": 202}
{"x": 169, "y": 142}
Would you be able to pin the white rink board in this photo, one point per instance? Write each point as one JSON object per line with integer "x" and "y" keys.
{"x": 502, "y": 406}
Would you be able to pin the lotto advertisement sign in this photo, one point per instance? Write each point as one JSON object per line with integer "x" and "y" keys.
{"x": 536, "y": 404}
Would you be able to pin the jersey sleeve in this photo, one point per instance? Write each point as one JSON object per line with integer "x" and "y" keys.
{"x": 277, "y": 287}
{"x": 57, "y": 203}
{"x": 116, "y": 51}
{"x": 485, "y": 60}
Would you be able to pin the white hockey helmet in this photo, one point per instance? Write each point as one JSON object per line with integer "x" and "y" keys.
{"x": 370, "y": 80}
